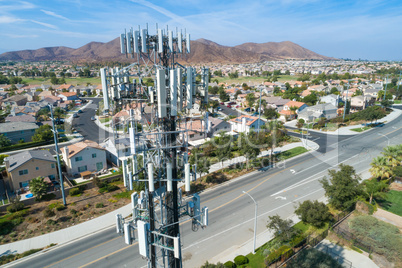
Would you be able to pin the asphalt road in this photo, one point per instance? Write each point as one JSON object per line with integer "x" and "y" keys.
{"x": 276, "y": 190}
{"x": 88, "y": 128}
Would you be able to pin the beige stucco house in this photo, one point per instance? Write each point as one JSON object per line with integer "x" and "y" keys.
{"x": 84, "y": 156}
{"x": 25, "y": 166}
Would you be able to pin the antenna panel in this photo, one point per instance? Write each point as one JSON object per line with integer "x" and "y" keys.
{"x": 173, "y": 92}
{"x": 151, "y": 183}
{"x": 161, "y": 90}
{"x": 160, "y": 41}
{"x": 129, "y": 37}
{"x": 143, "y": 228}
{"x": 144, "y": 39}
{"x": 187, "y": 177}
{"x": 170, "y": 39}
{"x": 188, "y": 43}
{"x": 179, "y": 80}
{"x": 136, "y": 41}
{"x": 104, "y": 89}
{"x": 123, "y": 43}
{"x": 189, "y": 93}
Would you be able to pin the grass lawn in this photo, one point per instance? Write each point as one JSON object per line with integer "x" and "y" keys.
{"x": 360, "y": 129}
{"x": 104, "y": 120}
{"x": 392, "y": 202}
{"x": 74, "y": 81}
{"x": 248, "y": 79}
{"x": 291, "y": 153}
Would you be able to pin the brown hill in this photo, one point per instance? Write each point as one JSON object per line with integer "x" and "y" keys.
{"x": 202, "y": 51}
{"x": 282, "y": 50}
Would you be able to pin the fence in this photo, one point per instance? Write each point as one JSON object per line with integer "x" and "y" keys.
{"x": 310, "y": 240}
{"x": 351, "y": 237}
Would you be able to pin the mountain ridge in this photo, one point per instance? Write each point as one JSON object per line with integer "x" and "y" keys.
{"x": 202, "y": 51}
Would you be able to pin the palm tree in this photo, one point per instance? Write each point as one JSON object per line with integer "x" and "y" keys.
{"x": 293, "y": 109}
{"x": 393, "y": 154}
{"x": 375, "y": 189}
{"x": 380, "y": 168}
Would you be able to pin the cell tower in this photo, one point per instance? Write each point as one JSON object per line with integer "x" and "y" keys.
{"x": 159, "y": 149}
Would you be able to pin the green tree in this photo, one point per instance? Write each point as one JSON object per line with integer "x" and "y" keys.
{"x": 54, "y": 80}
{"x": 59, "y": 112}
{"x": 335, "y": 91}
{"x": 250, "y": 98}
{"x": 223, "y": 96}
{"x": 38, "y": 187}
{"x": 224, "y": 147}
{"x": 4, "y": 141}
{"x": 314, "y": 213}
{"x": 270, "y": 113}
{"x": 2, "y": 156}
{"x": 300, "y": 123}
{"x": 343, "y": 187}
{"x": 43, "y": 133}
{"x": 386, "y": 103}
{"x": 283, "y": 229}
{"x": 375, "y": 189}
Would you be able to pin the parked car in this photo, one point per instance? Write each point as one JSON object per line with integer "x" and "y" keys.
{"x": 75, "y": 115}
{"x": 221, "y": 103}
{"x": 229, "y": 106}
{"x": 237, "y": 106}
{"x": 93, "y": 118}
{"x": 256, "y": 113}
{"x": 80, "y": 111}
{"x": 247, "y": 109}
{"x": 219, "y": 109}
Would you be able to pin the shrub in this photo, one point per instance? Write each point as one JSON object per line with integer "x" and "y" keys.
{"x": 230, "y": 264}
{"x": 313, "y": 258}
{"x": 58, "y": 206}
{"x": 240, "y": 260}
{"x": 75, "y": 192}
{"x": 48, "y": 212}
{"x": 108, "y": 188}
{"x": 297, "y": 241}
{"x": 48, "y": 197}
{"x": 51, "y": 222}
{"x": 16, "y": 205}
{"x": 73, "y": 212}
{"x": 99, "y": 205}
{"x": 314, "y": 213}
{"x": 273, "y": 256}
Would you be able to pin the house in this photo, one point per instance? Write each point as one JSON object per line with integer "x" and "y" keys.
{"x": 323, "y": 110}
{"x": 84, "y": 156}
{"x": 25, "y": 166}
{"x": 16, "y": 131}
{"x": 318, "y": 88}
{"x": 65, "y": 96}
{"x": 44, "y": 94}
{"x": 195, "y": 129}
{"x": 216, "y": 125}
{"x": 331, "y": 98}
{"x": 20, "y": 118}
{"x": 360, "y": 102}
{"x": 16, "y": 100}
{"x": 287, "y": 109}
{"x": 116, "y": 148}
{"x": 245, "y": 123}
{"x": 275, "y": 102}
{"x": 65, "y": 87}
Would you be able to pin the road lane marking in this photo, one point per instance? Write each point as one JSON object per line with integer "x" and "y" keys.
{"x": 76, "y": 254}
{"x": 108, "y": 255}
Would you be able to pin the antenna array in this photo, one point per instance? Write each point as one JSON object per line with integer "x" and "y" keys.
{"x": 158, "y": 110}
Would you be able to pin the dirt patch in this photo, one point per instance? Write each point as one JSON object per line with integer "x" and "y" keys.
{"x": 88, "y": 205}
{"x": 396, "y": 186}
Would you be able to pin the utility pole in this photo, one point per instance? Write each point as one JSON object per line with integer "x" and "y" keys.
{"x": 346, "y": 102}
{"x": 386, "y": 84}
{"x": 54, "y": 130}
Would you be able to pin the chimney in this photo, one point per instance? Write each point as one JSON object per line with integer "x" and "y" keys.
{"x": 243, "y": 124}
{"x": 66, "y": 152}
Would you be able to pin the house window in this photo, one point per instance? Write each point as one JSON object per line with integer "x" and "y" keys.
{"x": 93, "y": 155}
{"x": 24, "y": 184}
{"x": 23, "y": 172}
{"x": 82, "y": 169}
{"x": 37, "y": 168}
{"x": 99, "y": 166}
{"x": 53, "y": 165}
{"x": 78, "y": 158}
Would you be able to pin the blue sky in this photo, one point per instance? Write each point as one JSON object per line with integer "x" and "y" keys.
{"x": 366, "y": 29}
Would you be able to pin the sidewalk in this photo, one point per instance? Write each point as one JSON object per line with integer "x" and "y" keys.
{"x": 309, "y": 145}
{"x": 347, "y": 130}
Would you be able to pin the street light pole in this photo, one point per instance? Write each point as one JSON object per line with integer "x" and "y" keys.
{"x": 57, "y": 155}
{"x": 255, "y": 218}
{"x": 385, "y": 137}
{"x": 259, "y": 113}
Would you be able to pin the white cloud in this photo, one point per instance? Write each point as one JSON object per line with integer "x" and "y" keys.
{"x": 44, "y": 24}
{"x": 21, "y": 35}
{"x": 51, "y": 13}
{"x": 17, "y": 5}
{"x": 8, "y": 19}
